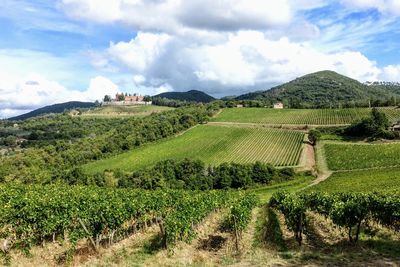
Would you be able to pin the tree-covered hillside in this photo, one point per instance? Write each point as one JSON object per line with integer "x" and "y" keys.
{"x": 190, "y": 96}
{"x": 323, "y": 89}
{"x": 56, "y": 108}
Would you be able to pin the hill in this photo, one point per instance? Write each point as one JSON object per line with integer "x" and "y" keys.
{"x": 321, "y": 89}
{"x": 393, "y": 87}
{"x": 56, "y": 108}
{"x": 190, "y": 96}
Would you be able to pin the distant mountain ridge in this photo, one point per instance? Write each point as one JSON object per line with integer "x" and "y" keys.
{"x": 323, "y": 89}
{"x": 56, "y": 108}
{"x": 190, "y": 96}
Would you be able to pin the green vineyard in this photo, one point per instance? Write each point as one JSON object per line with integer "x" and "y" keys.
{"x": 124, "y": 111}
{"x": 213, "y": 145}
{"x": 33, "y": 214}
{"x": 346, "y": 210}
{"x": 380, "y": 180}
{"x": 300, "y": 116}
{"x": 362, "y": 156}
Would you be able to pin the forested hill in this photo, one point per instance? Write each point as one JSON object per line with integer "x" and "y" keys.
{"x": 322, "y": 89}
{"x": 190, "y": 96}
{"x": 393, "y": 87}
{"x": 56, "y": 108}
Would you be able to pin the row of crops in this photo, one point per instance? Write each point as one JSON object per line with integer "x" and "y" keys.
{"x": 345, "y": 210}
{"x": 341, "y": 156}
{"x": 213, "y": 145}
{"x": 301, "y": 116}
{"x": 34, "y": 214}
{"x": 382, "y": 180}
{"x": 277, "y": 147}
{"x": 118, "y": 111}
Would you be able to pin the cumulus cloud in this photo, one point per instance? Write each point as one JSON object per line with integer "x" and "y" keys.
{"x": 223, "y": 47}
{"x": 391, "y": 73}
{"x": 176, "y": 15}
{"x": 19, "y": 95}
{"x": 244, "y": 61}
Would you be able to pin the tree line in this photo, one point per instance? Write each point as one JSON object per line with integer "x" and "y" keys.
{"x": 185, "y": 174}
{"x": 52, "y": 159}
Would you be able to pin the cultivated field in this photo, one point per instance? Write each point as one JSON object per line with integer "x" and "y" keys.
{"x": 213, "y": 145}
{"x": 345, "y": 156}
{"x": 300, "y": 116}
{"x": 385, "y": 180}
{"x": 120, "y": 111}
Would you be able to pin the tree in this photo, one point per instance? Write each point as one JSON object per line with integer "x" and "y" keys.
{"x": 313, "y": 136}
{"x": 107, "y": 98}
{"x": 120, "y": 97}
{"x": 376, "y": 126}
{"x": 147, "y": 98}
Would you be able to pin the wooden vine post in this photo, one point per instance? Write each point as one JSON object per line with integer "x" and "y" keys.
{"x": 89, "y": 235}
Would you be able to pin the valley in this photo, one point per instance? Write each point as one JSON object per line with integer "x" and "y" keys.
{"x": 142, "y": 185}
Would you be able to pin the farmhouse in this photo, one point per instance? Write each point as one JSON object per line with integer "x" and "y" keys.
{"x": 278, "y": 105}
{"x": 134, "y": 98}
{"x": 125, "y": 99}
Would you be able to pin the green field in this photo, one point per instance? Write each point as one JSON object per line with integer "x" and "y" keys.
{"x": 300, "y": 116}
{"x": 342, "y": 156}
{"x": 213, "y": 145}
{"x": 119, "y": 111}
{"x": 386, "y": 180}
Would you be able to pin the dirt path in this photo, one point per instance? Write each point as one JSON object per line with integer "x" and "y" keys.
{"x": 307, "y": 158}
{"x": 322, "y": 167}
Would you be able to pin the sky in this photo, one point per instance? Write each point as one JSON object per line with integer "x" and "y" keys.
{"x": 53, "y": 51}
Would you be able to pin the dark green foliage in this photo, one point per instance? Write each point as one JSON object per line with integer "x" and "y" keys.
{"x": 313, "y": 136}
{"x": 240, "y": 213}
{"x": 61, "y": 142}
{"x": 293, "y": 208}
{"x": 348, "y": 210}
{"x": 35, "y": 213}
{"x": 107, "y": 98}
{"x": 57, "y": 108}
{"x": 376, "y": 126}
{"x": 194, "y": 175}
{"x": 189, "y": 96}
{"x": 324, "y": 89}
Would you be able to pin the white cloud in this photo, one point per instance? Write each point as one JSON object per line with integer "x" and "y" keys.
{"x": 391, "y": 73}
{"x": 18, "y": 95}
{"x": 139, "y": 52}
{"x": 383, "y": 6}
{"x": 176, "y": 15}
{"x": 246, "y": 60}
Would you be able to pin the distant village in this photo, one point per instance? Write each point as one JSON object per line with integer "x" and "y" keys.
{"x": 127, "y": 99}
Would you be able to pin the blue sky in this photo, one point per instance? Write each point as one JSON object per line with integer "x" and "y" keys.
{"x": 55, "y": 51}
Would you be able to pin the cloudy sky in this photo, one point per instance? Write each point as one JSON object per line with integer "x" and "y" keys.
{"x": 54, "y": 51}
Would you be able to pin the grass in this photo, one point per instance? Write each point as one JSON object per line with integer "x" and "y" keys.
{"x": 344, "y": 156}
{"x": 264, "y": 193}
{"x": 386, "y": 180}
{"x": 119, "y": 111}
{"x": 213, "y": 145}
{"x": 300, "y": 116}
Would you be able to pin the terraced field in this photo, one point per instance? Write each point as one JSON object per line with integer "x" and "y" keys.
{"x": 120, "y": 111}
{"x": 342, "y": 156}
{"x": 300, "y": 116}
{"x": 385, "y": 180}
{"x": 213, "y": 145}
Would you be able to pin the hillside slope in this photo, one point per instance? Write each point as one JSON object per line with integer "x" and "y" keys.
{"x": 56, "y": 108}
{"x": 321, "y": 89}
{"x": 191, "y": 96}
